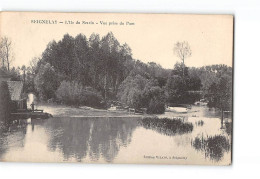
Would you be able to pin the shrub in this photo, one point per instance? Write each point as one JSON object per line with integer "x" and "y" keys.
{"x": 156, "y": 106}
{"x": 153, "y": 99}
{"x": 73, "y": 93}
{"x": 139, "y": 92}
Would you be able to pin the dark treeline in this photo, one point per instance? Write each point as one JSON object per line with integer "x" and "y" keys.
{"x": 217, "y": 85}
{"x": 98, "y": 71}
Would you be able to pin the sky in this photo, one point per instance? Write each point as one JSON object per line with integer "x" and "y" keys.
{"x": 151, "y": 38}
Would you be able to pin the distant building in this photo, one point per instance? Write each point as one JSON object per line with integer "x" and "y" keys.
{"x": 15, "y": 89}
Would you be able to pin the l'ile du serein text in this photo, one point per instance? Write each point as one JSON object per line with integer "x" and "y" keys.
{"x": 70, "y": 22}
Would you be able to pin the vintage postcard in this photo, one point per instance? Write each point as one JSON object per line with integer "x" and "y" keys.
{"x": 116, "y": 88}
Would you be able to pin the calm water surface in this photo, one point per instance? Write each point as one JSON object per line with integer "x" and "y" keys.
{"x": 118, "y": 140}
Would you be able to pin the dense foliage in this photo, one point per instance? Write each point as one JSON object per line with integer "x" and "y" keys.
{"x": 216, "y": 85}
{"x": 94, "y": 71}
{"x": 74, "y": 93}
{"x": 182, "y": 89}
{"x": 46, "y": 81}
{"x": 139, "y": 92}
{"x": 100, "y": 64}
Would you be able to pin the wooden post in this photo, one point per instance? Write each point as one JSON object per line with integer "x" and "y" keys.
{"x": 222, "y": 118}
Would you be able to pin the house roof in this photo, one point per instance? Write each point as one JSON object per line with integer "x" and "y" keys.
{"x": 15, "y": 89}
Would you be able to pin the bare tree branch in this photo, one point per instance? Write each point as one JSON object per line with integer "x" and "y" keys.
{"x": 182, "y": 51}
{"x": 6, "y": 52}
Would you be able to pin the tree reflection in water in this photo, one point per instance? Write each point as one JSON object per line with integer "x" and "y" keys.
{"x": 213, "y": 146}
{"x": 12, "y": 135}
{"x": 95, "y": 137}
{"x": 98, "y": 139}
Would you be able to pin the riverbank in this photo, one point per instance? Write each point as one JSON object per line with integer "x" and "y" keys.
{"x": 71, "y": 111}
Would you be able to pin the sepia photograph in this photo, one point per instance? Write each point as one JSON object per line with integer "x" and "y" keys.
{"x": 116, "y": 88}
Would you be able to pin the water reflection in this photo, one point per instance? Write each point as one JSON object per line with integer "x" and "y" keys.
{"x": 117, "y": 139}
{"x": 99, "y": 137}
{"x": 12, "y": 136}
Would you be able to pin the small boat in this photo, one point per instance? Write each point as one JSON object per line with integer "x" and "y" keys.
{"x": 141, "y": 110}
{"x": 113, "y": 108}
{"x": 201, "y": 102}
{"x": 177, "y": 109}
{"x": 189, "y": 107}
{"x": 85, "y": 107}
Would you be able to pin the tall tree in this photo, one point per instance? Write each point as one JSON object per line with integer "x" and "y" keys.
{"x": 219, "y": 94}
{"x": 46, "y": 81}
{"x": 6, "y": 52}
{"x": 110, "y": 49}
{"x": 183, "y": 51}
{"x": 96, "y": 66}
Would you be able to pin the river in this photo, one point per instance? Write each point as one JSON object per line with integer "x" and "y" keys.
{"x": 119, "y": 140}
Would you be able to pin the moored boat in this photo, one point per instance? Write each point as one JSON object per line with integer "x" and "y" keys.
{"x": 177, "y": 109}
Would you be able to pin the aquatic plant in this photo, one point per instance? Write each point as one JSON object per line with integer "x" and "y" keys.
{"x": 167, "y": 126}
{"x": 228, "y": 128}
{"x": 199, "y": 123}
{"x": 213, "y": 146}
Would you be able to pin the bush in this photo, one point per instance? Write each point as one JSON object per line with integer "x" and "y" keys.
{"x": 138, "y": 92}
{"x": 153, "y": 99}
{"x": 73, "y": 93}
{"x": 156, "y": 107}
